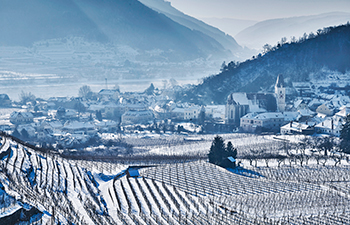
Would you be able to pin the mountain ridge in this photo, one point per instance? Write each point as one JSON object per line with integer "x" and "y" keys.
{"x": 120, "y": 22}
{"x": 271, "y": 31}
{"x": 296, "y": 61}
{"x": 226, "y": 40}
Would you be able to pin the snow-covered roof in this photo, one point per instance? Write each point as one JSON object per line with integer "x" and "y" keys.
{"x": 76, "y": 125}
{"x": 249, "y": 116}
{"x": 179, "y": 110}
{"x": 295, "y": 126}
{"x": 241, "y": 98}
{"x": 108, "y": 92}
{"x": 271, "y": 115}
{"x": 306, "y": 112}
{"x": 107, "y": 123}
{"x": 297, "y": 103}
{"x": 159, "y": 109}
{"x": 337, "y": 123}
{"x": 24, "y": 114}
{"x": 138, "y": 113}
{"x": 71, "y": 112}
{"x": 343, "y": 112}
{"x": 55, "y": 124}
{"x": 287, "y": 116}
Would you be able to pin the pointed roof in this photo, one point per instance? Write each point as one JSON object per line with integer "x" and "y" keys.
{"x": 230, "y": 100}
{"x": 280, "y": 81}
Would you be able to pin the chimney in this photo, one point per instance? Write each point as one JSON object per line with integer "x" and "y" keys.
{"x": 291, "y": 123}
{"x": 332, "y": 123}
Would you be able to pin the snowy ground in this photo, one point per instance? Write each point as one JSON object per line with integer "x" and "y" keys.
{"x": 196, "y": 192}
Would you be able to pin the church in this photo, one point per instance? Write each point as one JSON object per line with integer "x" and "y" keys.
{"x": 240, "y": 103}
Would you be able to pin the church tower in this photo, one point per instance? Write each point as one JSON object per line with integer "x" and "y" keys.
{"x": 280, "y": 92}
{"x": 234, "y": 111}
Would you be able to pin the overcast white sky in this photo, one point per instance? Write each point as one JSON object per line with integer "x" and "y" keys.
{"x": 258, "y": 9}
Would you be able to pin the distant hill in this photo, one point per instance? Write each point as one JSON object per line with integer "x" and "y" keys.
{"x": 330, "y": 49}
{"x": 119, "y": 22}
{"x": 225, "y": 40}
{"x": 271, "y": 31}
{"x": 229, "y": 25}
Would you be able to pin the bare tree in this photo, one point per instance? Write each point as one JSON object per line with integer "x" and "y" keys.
{"x": 25, "y": 97}
{"x": 85, "y": 91}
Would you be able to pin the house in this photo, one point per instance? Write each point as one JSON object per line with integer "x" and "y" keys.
{"x": 324, "y": 109}
{"x": 137, "y": 117}
{"x": 187, "y": 112}
{"x": 5, "y": 100}
{"x": 28, "y": 128}
{"x": 107, "y": 126}
{"x": 192, "y": 112}
{"x": 109, "y": 94}
{"x": 344, "y": 112}
{"x": 305, "y": 115}
{"x": 178, "y": 113}
{"x": 215, "y": 112}
{"x": 79, "y": 127}
{"x": 21, "y": 117}
{"x": 266, "y": 121}
{"x": 303, "y": 89}
{"x": 300, "y": 104}
{"x": 297, "y": 128}
{"x": 161, "y": 112}
{"x": 331, "y": 126}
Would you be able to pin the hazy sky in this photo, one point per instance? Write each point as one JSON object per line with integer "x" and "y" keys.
{"x": 259, "y": 9}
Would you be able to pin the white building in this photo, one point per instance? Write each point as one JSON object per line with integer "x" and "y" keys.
{"x": 186, "y": 113}
{"x": 137, "y": 117}
{"x": 266, "y": 121}
{"x": 192, "y": 112}
{"x": 107, "y": 94}
{"x": 79, "y": 127}
{"x": 331, "y": 126}
{"x": 21, "y": 117}
{"x": 215, "y": 111}
{"x": 324, "y": 109}
{"x": 297, "y": 128}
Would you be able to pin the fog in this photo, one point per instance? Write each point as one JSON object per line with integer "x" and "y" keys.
{"x": 257, "y": 9}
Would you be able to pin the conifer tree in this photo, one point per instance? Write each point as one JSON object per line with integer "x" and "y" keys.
{"x": 345, "y": 136}
{"x": 217, "y": 150}
{"x": 230, "y": 150}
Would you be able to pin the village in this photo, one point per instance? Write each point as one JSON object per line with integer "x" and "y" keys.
{"x": 77, "y": 122}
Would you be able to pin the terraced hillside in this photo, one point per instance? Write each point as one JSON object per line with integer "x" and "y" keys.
{"x": 43, "y": 188}
{"x": 66, "y": 192}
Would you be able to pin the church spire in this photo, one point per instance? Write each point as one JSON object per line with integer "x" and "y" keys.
{"x": 280, "y": 81}
{"x": 280, "y": 93}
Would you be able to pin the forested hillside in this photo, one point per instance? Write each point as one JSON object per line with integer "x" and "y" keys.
{"x": 309, "y": 55}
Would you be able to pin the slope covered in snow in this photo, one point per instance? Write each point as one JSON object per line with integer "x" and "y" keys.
{"x": 66, "y": 192}
{"x": 48, "y": 189}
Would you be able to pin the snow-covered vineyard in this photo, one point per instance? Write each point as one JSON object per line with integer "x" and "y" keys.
{"x": 40, "y": 188}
